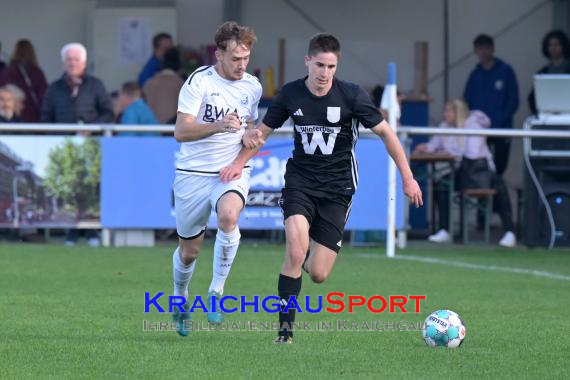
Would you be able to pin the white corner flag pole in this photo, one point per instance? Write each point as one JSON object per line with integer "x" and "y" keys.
{"x": 390, "y": 103}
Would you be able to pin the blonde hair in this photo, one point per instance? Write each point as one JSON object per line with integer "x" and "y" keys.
{"x": 461, "y": 111}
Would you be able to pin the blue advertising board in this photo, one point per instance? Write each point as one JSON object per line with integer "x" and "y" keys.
{"x": 137, "y": 175}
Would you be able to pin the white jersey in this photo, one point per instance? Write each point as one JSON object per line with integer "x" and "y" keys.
{"x": 210, "y": 97}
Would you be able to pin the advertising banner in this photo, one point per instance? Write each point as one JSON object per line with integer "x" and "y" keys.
{"x": 137, "y": 174}
{"x": 49, "y": 181}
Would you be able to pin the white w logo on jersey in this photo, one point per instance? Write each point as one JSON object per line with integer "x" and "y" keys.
{"x": 317, "y": 138}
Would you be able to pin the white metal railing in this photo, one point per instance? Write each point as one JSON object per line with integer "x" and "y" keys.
{"x": 108, "y": 129}
{"x": 543, "y": 133}
{"x": 403, "y": 131}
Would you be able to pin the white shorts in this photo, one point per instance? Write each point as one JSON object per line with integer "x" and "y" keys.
{"x": 195, "y": 196}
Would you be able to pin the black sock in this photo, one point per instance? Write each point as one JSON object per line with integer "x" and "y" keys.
{"x": 287, "y": 287}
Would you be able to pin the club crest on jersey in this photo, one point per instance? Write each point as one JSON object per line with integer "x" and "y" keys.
{"x": 245, "y": 100}
{"x": 333, "y": 114}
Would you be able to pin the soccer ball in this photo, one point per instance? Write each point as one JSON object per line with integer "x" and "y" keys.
{"x": 444, "y": 328}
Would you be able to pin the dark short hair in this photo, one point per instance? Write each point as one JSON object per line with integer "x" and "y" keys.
{"x": 130, "y": 88}
{"x": 323, "y": 43}
{"x": 232, "y": 31}
{"x": 562, "y": 39}
{"x": 483, "y": 40}
{"x": 171, "y": 59}
{"x": 159, "y": 37}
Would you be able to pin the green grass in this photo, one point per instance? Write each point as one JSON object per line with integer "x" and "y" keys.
{"x": 78, "y": 313}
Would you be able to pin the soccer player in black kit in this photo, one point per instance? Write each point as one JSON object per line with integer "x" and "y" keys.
{"x": 321, "y": 177}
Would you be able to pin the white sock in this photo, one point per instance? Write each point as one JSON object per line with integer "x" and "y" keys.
{"x": 225, "y": 250}
{"x": 182, "y": 274}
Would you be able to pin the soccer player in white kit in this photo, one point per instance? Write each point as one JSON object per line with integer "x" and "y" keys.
{"x": 215, "y": 106}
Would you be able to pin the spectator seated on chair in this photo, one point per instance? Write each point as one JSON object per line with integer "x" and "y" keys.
{"x": 473, "y": 148}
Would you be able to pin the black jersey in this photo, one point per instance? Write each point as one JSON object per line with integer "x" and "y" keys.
{"x": 326, "y": 131}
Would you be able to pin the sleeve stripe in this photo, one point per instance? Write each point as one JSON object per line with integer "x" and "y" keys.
{"x": 196, "y": 72}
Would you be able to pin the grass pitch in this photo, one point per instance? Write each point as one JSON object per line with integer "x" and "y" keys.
{"x": 78, "y": 313}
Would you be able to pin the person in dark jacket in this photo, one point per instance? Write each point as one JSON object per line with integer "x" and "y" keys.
{"x": 24, "y": 72}
{"x": 160, "y": 44}
{"x": 556, "y": 48}
{"x": 493, "y": 89}
{"x": 76, "y": 97}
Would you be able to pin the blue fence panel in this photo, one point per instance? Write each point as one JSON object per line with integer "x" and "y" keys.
{"x": 137, "y": 175}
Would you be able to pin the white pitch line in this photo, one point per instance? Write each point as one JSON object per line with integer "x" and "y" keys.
{"x": 461, "y": 264}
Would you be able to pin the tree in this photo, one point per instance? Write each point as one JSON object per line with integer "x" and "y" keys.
{"x": 73, "y": 175}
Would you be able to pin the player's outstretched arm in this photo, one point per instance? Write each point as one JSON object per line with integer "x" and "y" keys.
{"x": 255, "y": 138}
{"x": 188, "y": 129}
{"x": 411, "y": 187}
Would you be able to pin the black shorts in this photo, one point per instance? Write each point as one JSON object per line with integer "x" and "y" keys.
{"x": 327, "y": 217}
